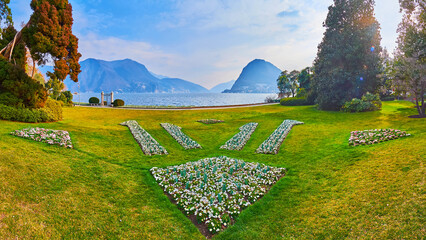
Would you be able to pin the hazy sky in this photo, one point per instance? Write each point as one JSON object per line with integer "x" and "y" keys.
{"x": 206, "y": 41}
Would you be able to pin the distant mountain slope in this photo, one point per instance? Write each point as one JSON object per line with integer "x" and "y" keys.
{"x": 124, "y": 76}
{"x": 222, "y": 87}
{"x": 259, "y": 76}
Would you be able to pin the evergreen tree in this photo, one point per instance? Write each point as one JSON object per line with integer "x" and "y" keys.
{"x": 348, "y": 62}
{"x": 409, "y": 66}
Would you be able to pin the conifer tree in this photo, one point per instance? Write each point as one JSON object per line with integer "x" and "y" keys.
{"x": 348, "y": 62}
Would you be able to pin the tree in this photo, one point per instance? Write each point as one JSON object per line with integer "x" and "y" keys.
{"x": 48, "y": 34}
{"x": 409, "y": 69}
{"x": 347, "y": 62}
{"x": 54, "y": 87}
{"x": 5, "y": 13}
{"x": 292, "y": 85}
{"x": 304, "y": 79}
{"x": 281, "y": 83}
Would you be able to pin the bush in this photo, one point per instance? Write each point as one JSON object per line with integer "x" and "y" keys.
{"x": 18, "y": 89}
{"x": 94, "y": 100}
{"x": 118, "y": 103}
{"x": 50, "y": 113}
{"x": 294, "y": 101}
{"x": 388, "y": 98}
{"x": 368, "y": 102}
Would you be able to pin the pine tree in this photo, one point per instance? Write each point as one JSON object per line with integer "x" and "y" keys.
{"x": 348, "y": 62}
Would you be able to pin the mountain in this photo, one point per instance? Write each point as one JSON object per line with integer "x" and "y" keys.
{"x": 124, "y": 76}
{"x": 259, "y": 76}
{"x": 222, "y": 87}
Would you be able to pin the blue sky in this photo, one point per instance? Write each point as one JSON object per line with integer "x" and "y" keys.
{"x": 206, "y": 41}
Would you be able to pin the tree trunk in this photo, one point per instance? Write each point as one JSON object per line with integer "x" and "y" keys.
{"x": 8, "y": 50}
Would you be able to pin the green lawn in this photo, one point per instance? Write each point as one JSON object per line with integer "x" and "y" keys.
{"x": 102, "y": 189}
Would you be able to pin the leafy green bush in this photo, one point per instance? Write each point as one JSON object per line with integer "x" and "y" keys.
{"x": 368, "y": 102}
{"x": 94, "y": 100}
{"x": 18, "y": 89}
{"x": 118, "y": 103}
{"x": 388, "y": 98}
{"x": 294, "y": 101}
{"x": 50, "y": 113}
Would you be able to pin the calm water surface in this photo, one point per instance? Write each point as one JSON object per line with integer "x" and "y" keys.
{"x": 182, "y": 99}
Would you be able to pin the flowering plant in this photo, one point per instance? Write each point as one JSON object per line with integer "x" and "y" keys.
{"x": 215, "y": 190}
{"x": 210, "y": 121}
{"x": 372, "y": 136}
{"x": 239, "y": 140}
{"x": 59, "y": 137}
{"x": 147, "y": 143}
{"x": 274, "y": 141}
{"x": 180, "y": 137}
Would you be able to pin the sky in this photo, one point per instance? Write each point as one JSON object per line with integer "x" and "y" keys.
{"x": 206, "y": 41}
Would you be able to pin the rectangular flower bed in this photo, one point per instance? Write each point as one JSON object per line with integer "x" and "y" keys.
{"x": 372, "y": 136}
{"x": 58, "y": 137}
{"x": 215, "y": 190}
{"x": 239, "y": 140}
{"x": 147, "y": 143}
{"x": 180, "y": 137}
{"x": 274, "y": 141}
{"x": 210, "y": 121}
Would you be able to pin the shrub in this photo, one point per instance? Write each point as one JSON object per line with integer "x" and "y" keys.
{"x": 368, "y": 102}
{"x": 294, "y": 101}
{"x": 118, "y": 103}
{"x": 51, "y": 112}
{"x": 18, "y": 89}
{"x": 388, "y": 98}
{"x": 94, "y": 100}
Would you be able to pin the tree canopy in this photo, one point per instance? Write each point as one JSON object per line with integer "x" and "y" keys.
{"x": 348, "y": 62}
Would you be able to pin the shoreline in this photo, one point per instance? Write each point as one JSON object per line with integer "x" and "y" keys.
{"x": 184, "y": 108}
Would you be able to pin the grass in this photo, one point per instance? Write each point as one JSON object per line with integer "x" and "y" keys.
{"x": 102, "y": 189}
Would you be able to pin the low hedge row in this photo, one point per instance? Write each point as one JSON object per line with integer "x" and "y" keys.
{"x": 51, "y": 112}
{"x": 294, "y": 101}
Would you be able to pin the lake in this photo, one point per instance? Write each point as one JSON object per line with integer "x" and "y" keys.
{"x": 182, "y": 99}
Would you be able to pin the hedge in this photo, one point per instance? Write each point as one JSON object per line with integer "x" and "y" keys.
{"x": 51, "y": 112}
{"x": 294, "y": 101}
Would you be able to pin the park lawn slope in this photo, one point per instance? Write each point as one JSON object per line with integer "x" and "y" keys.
{"x": 103, "y": 189}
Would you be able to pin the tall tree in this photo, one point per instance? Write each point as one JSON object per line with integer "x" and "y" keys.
{"x": 409, "y": 66}
{"x": 5, "y": 13}
{"x": 48, "y": 35}
{"x": 348, "y": 62}
{"x": 304, "y": 79}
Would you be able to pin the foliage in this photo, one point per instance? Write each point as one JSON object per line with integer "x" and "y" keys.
{"x": 19, "y": 53}
{"x": 18, "y": 89}
{"x": 51, "y": 112}
{"x": 94, "y": 100}
{"x": 49, "y": 35}
{"x": 409, "y": 66}
{"x": 368, "y": 102}
{"x": 118, "y": 103}
{"x": 287, "y": 82}
{"x": 66, "y": 97}
{"x": 304, "y": 78}
{"x": 54, "y": 87}
{"x": 294, "y": 101}
{"x": 348, "y": 61}
{"x": 5, "y": 14}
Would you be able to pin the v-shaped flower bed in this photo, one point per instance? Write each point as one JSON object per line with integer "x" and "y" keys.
{"x": 147, "y": 143}
{"x": 58, "y": 137}
{"x": 180, "y": 137}
{"x": 213, "y": 191}
{"x": 274, "y": 141}
{"x": 372, "y": 136}
{"x": 239, "y": 140}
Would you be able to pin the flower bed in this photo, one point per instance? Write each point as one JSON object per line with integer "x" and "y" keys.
{"x": 239, "y": 140}
{"x": 147, "y": 143}
{"x": 215, "y": 190}
{"x": 367, "y": 137}
{"x": 179, "y": 136}
{"x": 58, "y": 137}
{"x": 274, "y": 141}
{"x": 210, "y": 121}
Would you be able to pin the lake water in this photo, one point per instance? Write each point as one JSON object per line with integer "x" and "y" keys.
{"x": 182, "y": 99}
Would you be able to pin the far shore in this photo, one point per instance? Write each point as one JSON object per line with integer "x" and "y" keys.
{"x": 175, "y": 107}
